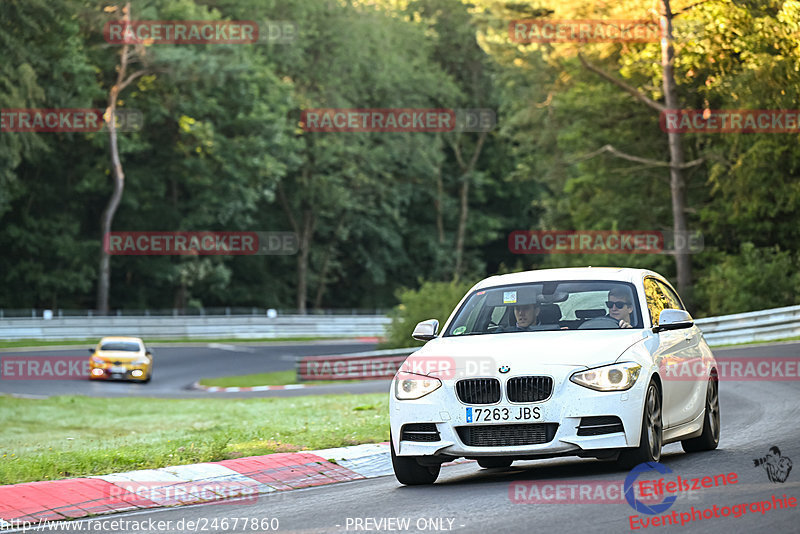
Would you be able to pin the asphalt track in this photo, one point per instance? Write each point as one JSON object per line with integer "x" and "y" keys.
{"x": 176, "y": 368}
{"x": 755, "y": 416}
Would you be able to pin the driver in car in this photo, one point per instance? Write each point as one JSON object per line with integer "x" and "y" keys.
{"x": 620, "y": 307}
{"x": 527, "y": 316}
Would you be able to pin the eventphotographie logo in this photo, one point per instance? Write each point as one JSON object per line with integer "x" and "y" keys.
{"x": 777, "y": 467}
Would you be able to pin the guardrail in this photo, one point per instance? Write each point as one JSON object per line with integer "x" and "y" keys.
{"x": 241, "y": 327}
{"x": 765, "y": 325}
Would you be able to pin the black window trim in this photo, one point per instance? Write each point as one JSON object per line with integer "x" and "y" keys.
{"x": 446, "y": 332}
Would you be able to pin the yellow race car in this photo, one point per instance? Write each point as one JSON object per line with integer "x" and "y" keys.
{"x": 121, "y": 358}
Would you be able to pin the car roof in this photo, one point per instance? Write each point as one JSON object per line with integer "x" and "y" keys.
{"x": 622, "y": 274}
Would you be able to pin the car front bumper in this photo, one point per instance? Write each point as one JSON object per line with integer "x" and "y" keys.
{"x": 103, "y": 372}
{"x": 566, "y": 406}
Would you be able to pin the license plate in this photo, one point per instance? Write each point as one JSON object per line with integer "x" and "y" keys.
{"x": 503, "y": 413}
{"x": 115, "y": 369}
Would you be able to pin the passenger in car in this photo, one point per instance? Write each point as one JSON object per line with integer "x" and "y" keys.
{"x": 620, "y": 306}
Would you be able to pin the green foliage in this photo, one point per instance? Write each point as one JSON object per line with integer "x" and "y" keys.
{"x": 754, "y": 279}
{"x": 222, "y": 148}
{"x": 433, "y": 300}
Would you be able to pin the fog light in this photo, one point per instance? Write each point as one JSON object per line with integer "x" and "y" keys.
{"x": 137, "y": 373}
{"x": 97, "y": 372}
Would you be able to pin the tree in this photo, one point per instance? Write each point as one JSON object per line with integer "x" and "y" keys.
{"x": 123, "y": 80}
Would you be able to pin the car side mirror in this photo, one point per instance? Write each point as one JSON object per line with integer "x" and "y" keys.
{"x": 673, "y": 320}
{"x": 91, "y": 351}
{"x": 148, "y": 353}
{"x": 426, "y": 330}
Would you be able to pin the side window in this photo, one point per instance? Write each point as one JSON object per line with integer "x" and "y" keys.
{"x": 656, "y": 299}
{"x": 469, "y": 317}
{"x": 672, "y": 297}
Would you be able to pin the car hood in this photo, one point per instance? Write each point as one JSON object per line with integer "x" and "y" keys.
{"x": 523, "y": 352}
{"x": 118, "y": 355}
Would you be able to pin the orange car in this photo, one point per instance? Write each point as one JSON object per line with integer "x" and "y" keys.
{"x": 121, "y": 358}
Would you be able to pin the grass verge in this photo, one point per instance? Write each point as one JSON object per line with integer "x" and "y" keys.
{"x": 278, "y": 378}
{"x": 71, "y": 436}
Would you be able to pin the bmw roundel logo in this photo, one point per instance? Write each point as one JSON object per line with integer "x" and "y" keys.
{"x": 504, "y": 369}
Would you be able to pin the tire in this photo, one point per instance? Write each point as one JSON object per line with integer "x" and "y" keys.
{"x": 709, "y": 439}
{"x": 651, "y": 440}
{"x": 495, "y": 461}
{"x": 408, "y": 471}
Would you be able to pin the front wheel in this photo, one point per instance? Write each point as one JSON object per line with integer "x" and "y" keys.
{"x": 709, "y": 439}
{"x": 649, "y": 449}
{"x": 408, "y": 470}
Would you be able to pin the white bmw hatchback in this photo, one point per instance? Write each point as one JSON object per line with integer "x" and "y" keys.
{"x": 561, "y": 362}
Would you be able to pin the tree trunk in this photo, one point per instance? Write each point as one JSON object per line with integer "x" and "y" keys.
{"x": 302, "y": 261}
{"x": 462, "y": 225}
{"x": 676, "y": 180}
{"x": 104, "y": 282}
{"x": 437, "y": 202}
{"x": 304, "y": 234}
{"x": 321, "y": 286}
{"x": 466, "y": 172}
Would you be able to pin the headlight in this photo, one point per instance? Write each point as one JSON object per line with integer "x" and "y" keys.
{"x": 143, "y": 361}
{"x": 615, "y": 377}
{"x": 95, "y": 359}
{"x": 409, "y": 386}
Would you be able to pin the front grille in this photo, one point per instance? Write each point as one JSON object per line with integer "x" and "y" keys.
{"x": 478, "y": 390}
{"x": 529, "y": 388}
{"x": 598, "y": 425}
{"x": 507, "y": 435}
{"x": 420, "y": 432}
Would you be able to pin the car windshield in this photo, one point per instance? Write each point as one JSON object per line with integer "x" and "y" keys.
{"x": 543, "y": 306}
{"x": 127, "y": 346}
